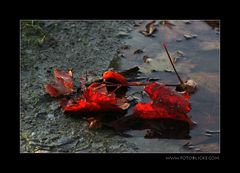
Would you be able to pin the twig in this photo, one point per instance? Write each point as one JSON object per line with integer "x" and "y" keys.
{"x": 164, "y": 46}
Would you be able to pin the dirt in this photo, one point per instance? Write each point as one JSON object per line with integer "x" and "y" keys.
{"x": 82, "y": 46}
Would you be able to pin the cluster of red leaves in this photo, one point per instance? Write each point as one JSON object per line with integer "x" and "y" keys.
{"x": 166, "y": 103}
{"x": 62, "y": 85}
{"x": 97, "y": 99}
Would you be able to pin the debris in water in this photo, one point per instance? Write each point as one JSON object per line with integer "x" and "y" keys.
{"x": 137, "y": 51}
{"x": 190, "y": 36}
{"x": 212, "y": 131}
{"x": 150, "y": 29}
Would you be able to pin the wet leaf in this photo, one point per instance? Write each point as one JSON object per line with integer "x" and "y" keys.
{"x": 166, "y": 103}
{"x": 150, "y": 29}
{"x": 167, "y": 23}
{"x": 65, "y": 78}
{"x": 56, "y": 89}
{"x": 97, "y": 99}
{"x": 63, "y": 84}
{"x": 158, "y": 63}
{"x": 111, "y": 75}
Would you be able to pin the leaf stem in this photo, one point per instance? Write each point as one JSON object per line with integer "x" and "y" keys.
{"x": 165, "y": 47}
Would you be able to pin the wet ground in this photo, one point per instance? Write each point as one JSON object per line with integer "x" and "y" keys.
{"x": 92, "y": 46}
{"x": 199, "y": 59}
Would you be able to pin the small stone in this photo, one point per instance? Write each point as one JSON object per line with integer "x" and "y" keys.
{"x": 187, "y": 21}
{"x": 191, "y": 86}
{"x": 41, "y": 115}
{"x": 197, "y": 149}
{"x": 191, "y": 147}
{"x": 42, "y": 151}
{"x": 50, "y": 116}
{"x": 188, "y": 36}
{"x": 137, "y": 51}
{"x": 168, "y": 70}
{"x": 208, "y": 134}
{"x": 194, "y": 35}
{"x": 33, "y": 134}
{"x": 146, "y": 59}
{"x": 125, "y": 46}
{"x": 180, "y": 53}
{"x": 122, "y": 34}
{"x": 179, "y": 40}
{"x": 54, "y": 106}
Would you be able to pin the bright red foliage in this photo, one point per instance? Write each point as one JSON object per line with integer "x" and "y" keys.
{"x": 97, "y": 99}
{"x": 166, "y": 103}
{"x": 114, "y": 75}
{"x": 171, "y": 99}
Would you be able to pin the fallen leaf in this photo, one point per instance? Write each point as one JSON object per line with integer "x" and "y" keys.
{"x": 117, "y": 77}
{"x": 150, "y": 29}
{"x": 64, "y": 77}
{"x": 63, "y": 84}
{"x": 97, "y": 99}
{"x": 166, "y": 103}
{"x": 167, "y": 24}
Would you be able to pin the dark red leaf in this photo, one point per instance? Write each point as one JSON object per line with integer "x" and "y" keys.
{"x": 97, "y": 99}
{"x": 116, "y": 76}
{"x": 171, "y": 99}
{"x": 166, "y": 103}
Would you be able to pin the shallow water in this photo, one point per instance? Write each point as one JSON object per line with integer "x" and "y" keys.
{"x": 201, "y": 62}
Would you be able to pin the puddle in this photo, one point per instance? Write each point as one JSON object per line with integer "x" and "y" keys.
{"x": 201, "y": 62}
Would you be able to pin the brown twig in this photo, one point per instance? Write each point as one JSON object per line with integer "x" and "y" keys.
{"x": 165, "y": 47}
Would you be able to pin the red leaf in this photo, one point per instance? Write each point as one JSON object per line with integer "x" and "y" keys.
{"x": 166, "y": 103}
{"x": 56, "y": 89}
{"x": 97, "y": 99}
{"x": 171, "y": 99}
{"x": 116, "y": 76}
{"x": 153, "y": 111}
{"x": 62, "y": 85}
{"x": 65, "y": 78}
{"x": 98, "y": 93}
